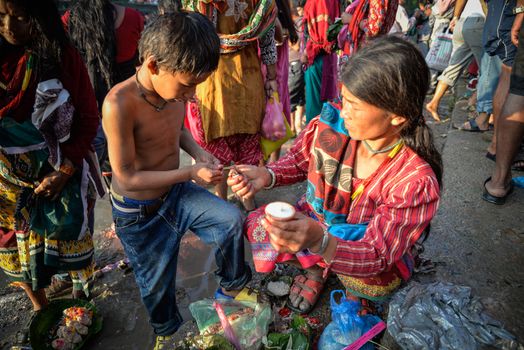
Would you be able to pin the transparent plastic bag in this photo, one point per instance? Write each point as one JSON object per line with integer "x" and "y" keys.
{"x": 249, "y": 321}
{"x": 346, "y": 326}
{"x": 273, "y": 126}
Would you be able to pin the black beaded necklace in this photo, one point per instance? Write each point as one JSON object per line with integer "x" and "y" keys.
{"x": 143, "y": 95}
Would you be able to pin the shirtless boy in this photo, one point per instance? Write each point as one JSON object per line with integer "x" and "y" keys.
{"x": 154, "y": 201}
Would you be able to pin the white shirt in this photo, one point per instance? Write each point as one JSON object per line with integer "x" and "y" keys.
{"x": 401, "y": 21}
{"x": 473, "y": 8}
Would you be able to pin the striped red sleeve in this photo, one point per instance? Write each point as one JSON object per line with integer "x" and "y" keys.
{"x": 395, "y": 227}
{"x": 293, "y": 166}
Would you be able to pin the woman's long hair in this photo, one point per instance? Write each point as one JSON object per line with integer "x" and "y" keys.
{"x": 285, "y": 18}
{"x": 92, "y": 30}
{"x": 47, "y": 35}
{"x": 391, "y": 74}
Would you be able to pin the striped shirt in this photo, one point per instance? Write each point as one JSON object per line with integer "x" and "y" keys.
{"x": 398, "y": 204}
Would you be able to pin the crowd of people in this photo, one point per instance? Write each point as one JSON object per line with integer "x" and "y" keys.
{"x": 97, "y": 87}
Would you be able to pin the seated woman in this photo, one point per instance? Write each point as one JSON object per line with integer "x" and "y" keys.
{"x": 48, "y": 118}
{"x": 373, "y": 181}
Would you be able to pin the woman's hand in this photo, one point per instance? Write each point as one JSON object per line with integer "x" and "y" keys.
{"x": 293, "y": 235}
{"x": 271, "y": 86}
{"x": 52, "y": 184}
{"x": 246, "y": 180}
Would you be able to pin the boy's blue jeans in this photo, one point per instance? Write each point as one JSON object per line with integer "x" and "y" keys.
{"x": 152, "y": 240}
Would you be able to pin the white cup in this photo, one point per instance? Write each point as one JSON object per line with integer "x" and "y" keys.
{"x": 280, "y": 210}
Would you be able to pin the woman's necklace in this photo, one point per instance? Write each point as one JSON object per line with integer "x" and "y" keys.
{"x": 143, "y": 95}
{"x": 383, "y": 150}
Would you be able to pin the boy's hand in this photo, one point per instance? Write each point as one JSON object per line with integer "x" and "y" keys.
{"x": 246, "y": 180}
{"x": 206, "y": 174}
{"x": 205, "y": 157}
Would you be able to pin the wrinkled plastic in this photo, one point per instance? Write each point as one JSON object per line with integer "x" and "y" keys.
{"x": 346, "y": 325}
{"x": 443, "y": 316}
{"x": 249, "y": 321}
{"x": 273, "y": 127}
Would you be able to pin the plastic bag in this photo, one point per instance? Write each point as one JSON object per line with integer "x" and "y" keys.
{"x": 273, "y": 127}
{"x": 444, "y": 316}
{"x": 440, "y": 51}
{"x": 269, "y": 146}
{"x": 249, "y": 321}
{"x": 346, "y": 326}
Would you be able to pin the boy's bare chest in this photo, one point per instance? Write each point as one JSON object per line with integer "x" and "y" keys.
{"x": 160, "y": 131}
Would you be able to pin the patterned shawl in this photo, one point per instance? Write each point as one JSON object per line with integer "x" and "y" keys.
{"x": 318, "y": 15}
{"x": 20, "y": 84}
{"x": 329, "y": 189}
{"x": 380, "y": 16}
{"x": 262, "y": 19}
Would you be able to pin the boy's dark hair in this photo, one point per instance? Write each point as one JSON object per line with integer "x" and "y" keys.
{"x": 391, "y": 73}
{"x": 181, "y": 42}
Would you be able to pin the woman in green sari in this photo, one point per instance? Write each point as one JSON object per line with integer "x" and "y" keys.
{"x": 48, "y": 118}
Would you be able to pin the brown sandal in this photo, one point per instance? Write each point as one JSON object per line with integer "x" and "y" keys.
{"x": 309, "y": 287}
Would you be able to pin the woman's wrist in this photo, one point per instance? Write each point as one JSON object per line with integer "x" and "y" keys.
{"x": 270, "y": 179}
{"x": 320, "y": 245}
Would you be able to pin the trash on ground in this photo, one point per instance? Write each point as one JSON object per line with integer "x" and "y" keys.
{"x": 444, "y": 316}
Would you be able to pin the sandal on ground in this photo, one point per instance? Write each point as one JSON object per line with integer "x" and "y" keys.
{"x": 517, "y": 165}
{"x": 488, "y": 197}
{"x": 473, "y": 126}
{"x": 309, "y": 287}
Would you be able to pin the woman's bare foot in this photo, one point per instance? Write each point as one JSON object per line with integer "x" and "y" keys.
{"x": 431, "y": 108}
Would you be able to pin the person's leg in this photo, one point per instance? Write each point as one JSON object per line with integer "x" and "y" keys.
{"x": 299, "y": 116}
{"x": 498, "y": 102}
{"x": 151, "y": 242}
{"x": 510, "y": 131}
{"x": 218, "y": 223}
{"x": 460, "y": 59}
{"x": 490, "y": 69}
{"x": 38, "y": 297}
{"x": 432, "y": 106}
{"x": 313, "y": 79}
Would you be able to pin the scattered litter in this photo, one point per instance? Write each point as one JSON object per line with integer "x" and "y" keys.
{"x": 278, "y": 288}
{"x": 444, "y": 316}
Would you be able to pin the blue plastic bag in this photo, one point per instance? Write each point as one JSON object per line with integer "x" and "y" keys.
{"x": 346, "y": 324}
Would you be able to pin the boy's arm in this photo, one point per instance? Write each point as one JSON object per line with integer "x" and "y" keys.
{"x": 188, "y": 144}
{"x": 118, "y": 125}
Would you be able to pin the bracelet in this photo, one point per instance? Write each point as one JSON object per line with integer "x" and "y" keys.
{"x": 324, "y": 244}
{"x": 273, "y": 179}
{"x": 67, "y": 169}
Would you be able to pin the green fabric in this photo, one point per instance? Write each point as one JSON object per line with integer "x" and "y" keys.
{"x": 313, "y": 79}
{"x": 60, "y": 219}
